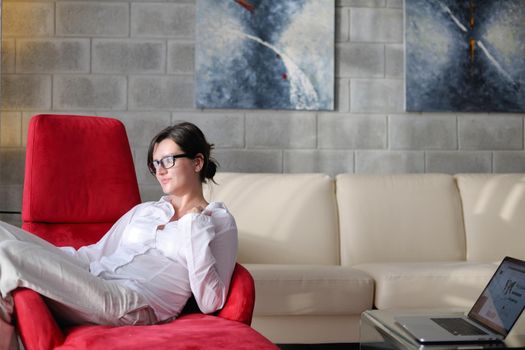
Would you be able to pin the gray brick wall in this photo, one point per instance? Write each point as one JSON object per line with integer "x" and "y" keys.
{"x": 134, "y": 60}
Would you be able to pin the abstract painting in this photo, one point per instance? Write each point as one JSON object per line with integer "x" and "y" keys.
{"x": 265, "y": 54}
{"x": 465, "y": 55}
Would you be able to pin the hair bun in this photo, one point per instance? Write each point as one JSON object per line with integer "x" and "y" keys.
{"x": 211, "y": 169}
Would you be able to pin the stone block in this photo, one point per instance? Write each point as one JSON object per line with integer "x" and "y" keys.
{"x": 250, "y": 161}
{"x": 26, "y": 117}
{"x": 376, "y": 25}
{"x": 389, "y": 162}
{"x": 11, "y": 196}
{"x": 89, "y": 91}
{"x": 163, "y": 20}
{"x": 458, "y": 162}
{"x": 160, "y": 92}
{"x": 509, "y": 162}
{"x": 10, "y": 129}
{"x": 52, "y": 55}
{"x": 223, "y": 130}
{"x": 490, "y": 132}
{"x": 360, "y": 60}
{"x": 92, "y": 19}
{"x": 331, "y": 162}
{"x": 398, "y": 4}
{"x": 181, "y": 57}
{"x": 12, "y": 219}
{"x": 27, "y": 19}
{"x": 26, "y": 91}
{"x": 394, "y": 60}
{"x": 281, "y": 130}
{"x": 346, "y": 131}
{"x": 422, "y": 132}
{"x": 361, "y": 3}
{"x": 8, "y": 56}
{"x": 342, "y": 24}
{"x": 129, "y": 56}
{"x": 342, "y": 95}
{"x": 376, "y": 96}
{"x": 174, "y": 1}
{"x": 141, "y": 127}
{"x": 12, "y": 166}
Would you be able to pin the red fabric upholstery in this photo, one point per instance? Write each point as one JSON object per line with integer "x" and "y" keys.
{"x": 35, "y": 323}
{"x": 241, "y": 297}
{"x": 73, "y": 159}
{"x": 79, "y": 180}
{"x": 67, "y": 234}
{"x": 195, "y": 331}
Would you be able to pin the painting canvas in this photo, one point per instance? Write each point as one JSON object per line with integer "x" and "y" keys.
{"x": 465, "y": 55}
{"x": 265, "y": 54}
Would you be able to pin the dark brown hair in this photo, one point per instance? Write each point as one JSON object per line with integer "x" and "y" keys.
{"x": 191, "y": 141}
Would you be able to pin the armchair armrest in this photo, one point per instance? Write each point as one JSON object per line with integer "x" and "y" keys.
{"x": 37, "y": 327}
{"x": 241, "y": 297}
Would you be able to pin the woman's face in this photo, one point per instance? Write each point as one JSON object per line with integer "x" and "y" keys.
{"x": 180, "y": 178}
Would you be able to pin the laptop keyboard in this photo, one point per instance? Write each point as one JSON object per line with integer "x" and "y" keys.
{"x": 458, "y": 326}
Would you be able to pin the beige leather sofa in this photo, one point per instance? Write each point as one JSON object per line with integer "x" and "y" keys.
{"x": 322, "y": 250}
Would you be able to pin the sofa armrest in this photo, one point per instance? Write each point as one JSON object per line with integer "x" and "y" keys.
{"x": 35, "y": 323}
{"x": 241, "y": 297}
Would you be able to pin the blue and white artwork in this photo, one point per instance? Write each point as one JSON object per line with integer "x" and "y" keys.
{"x": 265, "y": 54}
{"x": 465, "y": 55}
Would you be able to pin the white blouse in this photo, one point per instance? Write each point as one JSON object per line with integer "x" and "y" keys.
{"x": 168, "y": 261}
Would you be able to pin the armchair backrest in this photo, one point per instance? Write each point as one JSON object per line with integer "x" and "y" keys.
{"x": 79, "y": 178}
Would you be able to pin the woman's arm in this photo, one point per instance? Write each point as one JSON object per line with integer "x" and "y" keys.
{"x": 211, "y": 254}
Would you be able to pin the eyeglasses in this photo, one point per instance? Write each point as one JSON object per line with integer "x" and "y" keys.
{"x": 166, "y": 162}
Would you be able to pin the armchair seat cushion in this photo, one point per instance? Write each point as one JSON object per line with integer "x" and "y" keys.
{"x": 428, "y": 285}
{"x": 185, "y": 332}
{"x": 310, "y": 290}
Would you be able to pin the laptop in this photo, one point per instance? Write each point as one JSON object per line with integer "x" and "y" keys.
{"x": 491, "y": 318}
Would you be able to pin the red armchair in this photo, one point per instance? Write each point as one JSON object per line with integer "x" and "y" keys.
{"x": 79, "y": 179}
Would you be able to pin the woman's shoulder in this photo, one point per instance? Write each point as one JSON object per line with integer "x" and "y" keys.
{"x": 221, "y": 215}
{"x": 217, "y": 209}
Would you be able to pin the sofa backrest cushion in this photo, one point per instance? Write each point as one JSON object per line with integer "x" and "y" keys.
{"x": 399, "y": 218}
{"x": 281, "y": 218}
{"x": 494, "y": 212}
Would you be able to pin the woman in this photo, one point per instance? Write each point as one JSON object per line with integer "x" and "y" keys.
{"x": 150, "y": 262}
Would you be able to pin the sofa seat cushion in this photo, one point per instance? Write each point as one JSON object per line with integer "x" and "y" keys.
{"x": 428, "y": 285}
{"x": 310, "y": 290}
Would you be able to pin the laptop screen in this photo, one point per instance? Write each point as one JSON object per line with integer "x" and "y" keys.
{"x": 503, "y": 300}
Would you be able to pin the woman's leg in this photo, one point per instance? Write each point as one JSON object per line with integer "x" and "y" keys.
{"x": 13, "y": 233}
{"x": 79, "y": 296}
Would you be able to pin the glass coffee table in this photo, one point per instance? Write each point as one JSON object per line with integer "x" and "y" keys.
{"x": 378, "y": 330}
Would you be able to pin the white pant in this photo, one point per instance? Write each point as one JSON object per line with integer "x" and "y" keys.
{"x": 72, "y": 291}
